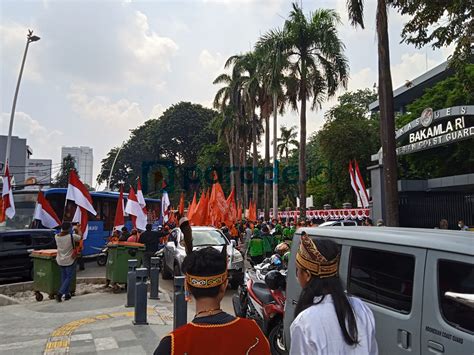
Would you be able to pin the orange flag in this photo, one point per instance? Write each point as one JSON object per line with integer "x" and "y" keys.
{"x": 231, "y": 210}
{"x": 206, "y": 219}
{"x": 192, "y": 208}
{"x": 252, "y": 211}
{"x": 181, "y": 204}
{"x": 217, "y": 203}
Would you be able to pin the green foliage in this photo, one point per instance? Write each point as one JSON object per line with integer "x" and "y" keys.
{"x": 452, "y": 159}
{"x": 175, "y": 138}
{"x": 349, "y": 133}
{"x": 440, "y": 23}
{"x": 68, "y": 164}
{"x": 287, "y": 139}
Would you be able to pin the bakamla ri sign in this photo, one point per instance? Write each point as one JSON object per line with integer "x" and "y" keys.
{"x": 436, "y": 128}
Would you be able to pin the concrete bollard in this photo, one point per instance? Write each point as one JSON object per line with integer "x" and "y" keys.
{"x": 140, "y": 297}
{"x": 155, "y": 279}
{"x": 131, "y": 279}
{"x": 180, "y": 309}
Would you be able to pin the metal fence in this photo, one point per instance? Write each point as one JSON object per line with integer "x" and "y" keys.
{"x": 426, "y": 209}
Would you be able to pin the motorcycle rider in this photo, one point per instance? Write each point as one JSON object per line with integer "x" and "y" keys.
{"x": 267, "y": 241}
{"x": 212, "y": 331}
{"x": 327, "y": 321}
{"x": 255, "y": 247}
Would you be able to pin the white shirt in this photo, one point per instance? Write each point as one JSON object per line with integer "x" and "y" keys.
{"x": 316, "y": 330}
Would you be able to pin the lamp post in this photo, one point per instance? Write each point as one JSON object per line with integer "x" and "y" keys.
{"x": 29, "y": 38}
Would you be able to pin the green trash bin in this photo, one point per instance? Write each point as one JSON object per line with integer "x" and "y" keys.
{"x": 47, "y": 274}
{"x": 117, "y": 260}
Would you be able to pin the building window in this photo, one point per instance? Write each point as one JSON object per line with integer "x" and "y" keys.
{"x": 383, "y": 278}
{"x": 456, "y": 290}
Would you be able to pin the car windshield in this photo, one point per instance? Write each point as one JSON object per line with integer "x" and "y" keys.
{"x": 208, "y": 237}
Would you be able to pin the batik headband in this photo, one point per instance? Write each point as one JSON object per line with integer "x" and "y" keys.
{"x": 309, "y": 258}
{"x": 206, "y": 281}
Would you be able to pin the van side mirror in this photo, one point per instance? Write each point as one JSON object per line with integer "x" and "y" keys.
{"x": 234, "y": 243}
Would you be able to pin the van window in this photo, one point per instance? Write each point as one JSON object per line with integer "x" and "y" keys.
{"x": 456, "y": 287}
{"x": 382, "y": 277}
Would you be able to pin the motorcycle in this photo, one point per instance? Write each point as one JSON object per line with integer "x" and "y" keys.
{"x": 264, "y": 302}
{"x": 102, "y": 256}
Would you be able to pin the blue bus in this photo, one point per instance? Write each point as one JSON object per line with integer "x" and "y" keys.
{"x": 100, "y": 226}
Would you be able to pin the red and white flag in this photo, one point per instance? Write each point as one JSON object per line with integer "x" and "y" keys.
{"x": 77, "y": 192}
{"x": 119, "y": 221}
{"x": 7, "y": 195}
{"x": 45, "y": 213}
{"x": 364, "y": 196}
{"x": 133, "y": 208}
{"x": 353, "y": 181}
{"x": 81, "y": 217}
{"x": 165, "y": 203}
{"x": 141, "y": 199}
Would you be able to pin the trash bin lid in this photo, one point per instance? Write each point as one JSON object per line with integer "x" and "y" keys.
{"x": 131, "y": 244}
{"x": 44, "y": 253}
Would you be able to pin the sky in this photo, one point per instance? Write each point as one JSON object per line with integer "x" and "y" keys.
{"x": 102, "y": 68}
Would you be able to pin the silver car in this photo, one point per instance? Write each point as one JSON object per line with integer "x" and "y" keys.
{"x": 174, "y": 252}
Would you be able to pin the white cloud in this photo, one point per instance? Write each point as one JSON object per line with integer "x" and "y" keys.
{"x": 43, "y": 140}
{"x": 119, "y": 115}
{"x": 209, "y": 61}
{"x": 12, "y": 46}
{"x": 410, "y": 67}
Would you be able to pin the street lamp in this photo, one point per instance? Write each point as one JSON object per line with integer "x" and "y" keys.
{"x": 29, "y": 38}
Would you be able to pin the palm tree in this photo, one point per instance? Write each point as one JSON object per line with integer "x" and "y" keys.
{"x": 287, "y": 139}
{"x": 387, "y": 116}
{"x": 317, "y": 67}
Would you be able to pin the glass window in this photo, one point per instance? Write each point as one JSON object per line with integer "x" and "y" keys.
{"x": 456, "y": 291}
{"x": 16, "y": 241}
{"x": 43, "y": 240}
{"x": 209, "y": 237}
{"x": 382, "y": 277}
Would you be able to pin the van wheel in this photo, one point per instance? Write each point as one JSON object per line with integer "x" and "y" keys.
{"x": 38, "y": 296}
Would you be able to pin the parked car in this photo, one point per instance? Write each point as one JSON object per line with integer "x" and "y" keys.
{"x": 341, "y": 223}
{"x": 174, "y": 252}
{"x": 419, "y": 284}
{"x": 16, "y": 246}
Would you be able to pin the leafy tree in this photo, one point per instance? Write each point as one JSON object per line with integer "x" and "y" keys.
{"x": 287, "y": 139}
{"x": 452, "y": 159}
{"x": 62, "y": 178}
{"x": 440, "y": 23}
{"x": 349, "y": 133}
{"x": 387, "y": 116}
{"x": 317, "y": 67}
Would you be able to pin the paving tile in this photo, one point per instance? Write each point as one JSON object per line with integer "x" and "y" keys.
{"x": 90, "y": 349}
{"x": 108, "y": 343}
{"x": 85, "y": 336}
{"x": 124, "y": 334}
{"x": 128, "y": 343}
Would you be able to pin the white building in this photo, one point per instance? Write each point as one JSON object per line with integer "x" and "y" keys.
{"x": 84, "y": 161}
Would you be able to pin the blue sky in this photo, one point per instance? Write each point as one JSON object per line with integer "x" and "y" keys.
{"x": 102, "y": 68}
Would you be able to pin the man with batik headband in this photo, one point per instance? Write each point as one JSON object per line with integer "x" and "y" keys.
{"x": 212, "y": 331}
{"x": 327, "y": 321}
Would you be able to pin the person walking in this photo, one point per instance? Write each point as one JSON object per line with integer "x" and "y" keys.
{"x": 66, "y": 241}
{"x": 212, "y": 331}
{"x": 327, "y": 321}
{"x": 151, "y": 240}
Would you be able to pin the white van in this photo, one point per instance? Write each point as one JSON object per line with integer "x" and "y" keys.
{"x": 419, "y": 284}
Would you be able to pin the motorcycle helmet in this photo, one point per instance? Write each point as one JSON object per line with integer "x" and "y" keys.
{"x": 282, "y": 248}
{"x": 275, "y": 260}
{"x": 274, "y": 280}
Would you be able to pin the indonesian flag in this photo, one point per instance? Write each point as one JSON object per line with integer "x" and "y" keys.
{"x": 133, "y": 208}
{"x": 361, "y": 186}
{"x": 80, "y": 216}
{"x": 77, "y": 192}
{"x": 45, "y": 213}
{"x": 353, "y": 181}
{"x": 140, "y": 198}
{"x": 165, "y": 203}
{"x": 119, "y": 220}
{"x": 7, "y": 195}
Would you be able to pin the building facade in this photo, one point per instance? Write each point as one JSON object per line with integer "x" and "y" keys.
{"x": 84, "y": 161}
{"x": 39, "y": 171}
{"x": 19, "y": 154}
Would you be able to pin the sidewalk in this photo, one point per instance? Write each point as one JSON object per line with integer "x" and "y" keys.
{"x": 86, "y": 324}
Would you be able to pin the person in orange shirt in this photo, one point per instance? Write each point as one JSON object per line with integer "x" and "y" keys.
{"x": 115, "y": 236}
{"x": 212, "y": 331}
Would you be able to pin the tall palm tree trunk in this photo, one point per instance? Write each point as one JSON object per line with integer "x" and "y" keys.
{"x": 231, "y": 158}
{"x": 245, "y": 173}
{"x": 266, "y": 186}
{"x": 236, "y": 171}
{"x": 255, "y": 159}
{"x": 302, "y": 150}
{"x": 275, "y": 173}
{"x": 387, "y": 118}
